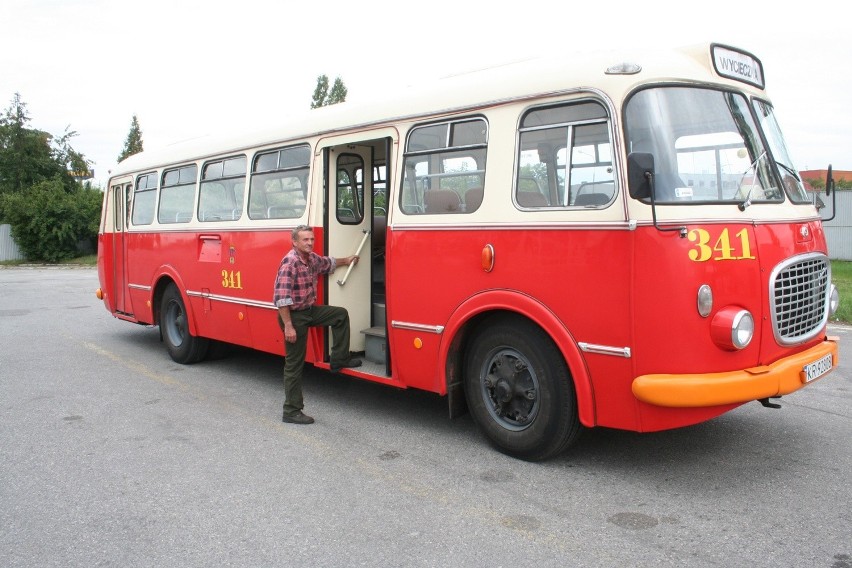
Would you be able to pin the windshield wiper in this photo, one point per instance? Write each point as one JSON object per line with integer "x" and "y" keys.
{"x": 753, "y": 167}
{"x": 790, "y": 171}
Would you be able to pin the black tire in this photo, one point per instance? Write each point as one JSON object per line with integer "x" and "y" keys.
{"x": 183, "y": 347}
{"x": 519, "y": 390}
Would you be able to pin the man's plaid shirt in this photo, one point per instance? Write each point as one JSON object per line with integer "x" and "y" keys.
{"x": 296, "y": 283}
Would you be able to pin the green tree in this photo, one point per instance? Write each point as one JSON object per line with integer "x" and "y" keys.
{"x": 26, "y": 155}
{"x": 49, "y": 223}
{"x": 72, "y": 160}
{"x": 338, "y": 92}
{"x": 322, "y": 97}
{"x": 51, "y": 214}
{"x": 320, "y": 92}
{"x": 133, "y": 143}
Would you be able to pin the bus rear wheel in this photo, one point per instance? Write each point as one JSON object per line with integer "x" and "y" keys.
{"x": 183, "y": 347}
{"x": 519, "y": 390}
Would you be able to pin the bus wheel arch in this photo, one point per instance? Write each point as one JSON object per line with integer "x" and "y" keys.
{"x": 518, "y": 387}
{"x": 472, "y": 315}
{"x": 176, "y": 329}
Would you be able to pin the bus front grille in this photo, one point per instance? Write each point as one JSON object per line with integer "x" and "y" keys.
{"x": 800, "y": 288}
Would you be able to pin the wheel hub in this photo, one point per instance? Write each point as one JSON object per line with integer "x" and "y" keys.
{"x": 512, "y": 387}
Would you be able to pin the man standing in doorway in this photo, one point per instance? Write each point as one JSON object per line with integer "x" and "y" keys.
{"x": 295, "y": 295}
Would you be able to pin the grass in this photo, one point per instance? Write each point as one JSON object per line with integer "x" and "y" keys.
{"x": 88, "y": 260}
{"x": 841, "y": 275}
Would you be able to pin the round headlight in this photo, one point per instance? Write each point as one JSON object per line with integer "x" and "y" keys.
{"x": 833, "y": 300}
{"x": 732, "y": 328}
{"x": 743, "y": 330}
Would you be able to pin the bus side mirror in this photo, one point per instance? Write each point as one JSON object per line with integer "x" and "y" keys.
{"x": 829, "y": 182}
{"x": 640, "y": 173}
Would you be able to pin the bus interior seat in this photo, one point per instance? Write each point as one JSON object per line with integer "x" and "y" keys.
{"x": 587, "y": 199}
{"x": 472, "y": 199}
{"x": 531, "y": 199}
{"x": 280, "y": 212}
{"x": 442, "y": 201}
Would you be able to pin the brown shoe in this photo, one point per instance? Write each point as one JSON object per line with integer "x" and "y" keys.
{"x": 298, "y": 418}
{"x": 348, "y": 364}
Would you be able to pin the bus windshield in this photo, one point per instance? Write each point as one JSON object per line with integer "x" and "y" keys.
{"x": 706, "y": 146}
{"x": 789, "y": 174}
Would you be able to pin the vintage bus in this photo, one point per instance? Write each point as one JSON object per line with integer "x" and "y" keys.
{"x": 554, "y": 245}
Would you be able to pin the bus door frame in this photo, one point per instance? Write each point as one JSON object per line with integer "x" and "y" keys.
{"x": 121, "y": 195}
{"x": 341, "y": 240}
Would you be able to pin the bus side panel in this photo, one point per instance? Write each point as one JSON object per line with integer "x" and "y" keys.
{"x": 244, "y": 268}
{"x": 582, "y": 276}
{"x": 227, "y": 277}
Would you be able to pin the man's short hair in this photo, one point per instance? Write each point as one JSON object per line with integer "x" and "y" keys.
{"x": 299, "y": 229}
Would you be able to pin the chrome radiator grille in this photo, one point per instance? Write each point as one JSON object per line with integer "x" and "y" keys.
{"x": 799, "y": 288}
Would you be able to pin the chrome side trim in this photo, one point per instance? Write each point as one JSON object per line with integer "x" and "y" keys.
{"x": 605, "y": 350}
{"x": 139, "y": 287}
{"x": 438, "y": 329}
{"x": 231, "y": 300}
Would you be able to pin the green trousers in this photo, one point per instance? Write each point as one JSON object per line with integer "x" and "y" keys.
{"x": 294, "y": 361}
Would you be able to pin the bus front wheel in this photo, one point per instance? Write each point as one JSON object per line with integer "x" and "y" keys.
{"x": 183, "y": 347}
{"x": 519, "y": 390}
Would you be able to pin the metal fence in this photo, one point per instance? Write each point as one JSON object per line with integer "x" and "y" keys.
{"x": 838, "y": 231}
{"x": 8, "y": 248}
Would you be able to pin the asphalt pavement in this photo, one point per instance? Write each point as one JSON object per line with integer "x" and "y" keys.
{"x": 111, "y": 454}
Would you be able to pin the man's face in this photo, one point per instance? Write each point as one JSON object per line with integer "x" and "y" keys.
{"x": 304, "y": 243}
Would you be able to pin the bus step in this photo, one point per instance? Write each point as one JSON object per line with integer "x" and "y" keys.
{"x": 379, "y": 314}
{"x": 377, "y": 344}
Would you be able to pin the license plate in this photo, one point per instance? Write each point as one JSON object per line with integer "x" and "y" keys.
{"x": 817, "y": 369}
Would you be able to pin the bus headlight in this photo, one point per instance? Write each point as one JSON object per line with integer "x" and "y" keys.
{"x": 732, "y": 328}
{"x": 833, "y": 300}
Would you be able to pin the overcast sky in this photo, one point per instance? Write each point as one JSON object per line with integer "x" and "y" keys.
{"x": 190, "y": 68}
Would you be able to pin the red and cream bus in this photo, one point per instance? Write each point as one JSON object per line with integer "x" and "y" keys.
{"x": 554, "y": 244}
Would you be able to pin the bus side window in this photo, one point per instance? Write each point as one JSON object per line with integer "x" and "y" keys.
{"x": 222, "y": 188}
{"x": 445, "y": 168}
{"x": 350, "y": 189}
{"x": 144, "y": 199}
{"x": 177, "y": 195}
{"x": 279, "y": 183}
{"x": 565, "y": 157}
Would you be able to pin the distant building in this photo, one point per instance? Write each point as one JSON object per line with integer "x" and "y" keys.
{"x": 838, "y": 175}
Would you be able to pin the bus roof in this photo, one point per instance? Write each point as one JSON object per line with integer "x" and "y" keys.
{"x": 481, "y": 88}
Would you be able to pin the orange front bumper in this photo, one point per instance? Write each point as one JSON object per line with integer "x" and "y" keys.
{"x": 713, "y": 389}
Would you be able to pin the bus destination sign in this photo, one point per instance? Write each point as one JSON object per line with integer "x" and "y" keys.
{"x": 738, "y": 65}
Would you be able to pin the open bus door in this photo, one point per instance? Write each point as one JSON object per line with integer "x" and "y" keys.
{"x": 120, "y": 209}
{"x": 352, "y": 228}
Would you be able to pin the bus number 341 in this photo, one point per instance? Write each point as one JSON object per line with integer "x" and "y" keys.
{"x": 231, "y": 279}
{"x": 722, "y": 248}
